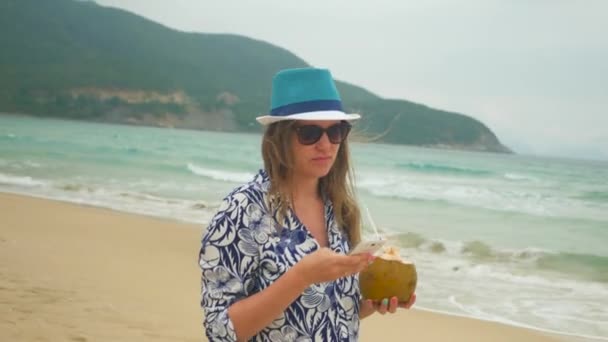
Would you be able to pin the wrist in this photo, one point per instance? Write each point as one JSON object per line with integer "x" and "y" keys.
{"x": 299, "y": 276}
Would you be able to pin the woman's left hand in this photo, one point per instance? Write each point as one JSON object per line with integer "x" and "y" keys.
{"x": 368, "y": 307}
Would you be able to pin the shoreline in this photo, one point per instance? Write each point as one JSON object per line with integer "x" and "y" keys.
{"x": 503, "y": 150}
{"x": 132, "y": 235}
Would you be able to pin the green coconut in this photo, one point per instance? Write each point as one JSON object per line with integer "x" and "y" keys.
{"x": 388, "y": 276}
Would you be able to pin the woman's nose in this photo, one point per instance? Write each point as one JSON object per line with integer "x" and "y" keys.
{"x": 324, "y": 142}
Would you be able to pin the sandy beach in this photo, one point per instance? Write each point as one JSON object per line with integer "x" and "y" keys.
{"x": 78, "y": 273}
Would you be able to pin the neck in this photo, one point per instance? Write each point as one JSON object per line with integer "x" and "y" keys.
{"x": 305, "y": 189}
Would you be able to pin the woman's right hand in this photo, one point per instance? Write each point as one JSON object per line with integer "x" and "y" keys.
{"x": 325, "y": 265}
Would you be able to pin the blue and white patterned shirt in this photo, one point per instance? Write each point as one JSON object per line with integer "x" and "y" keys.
{"x": 243, "y": 252}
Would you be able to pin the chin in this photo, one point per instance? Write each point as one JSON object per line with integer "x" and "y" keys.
{"x": 321, "y": 172}
{"x": 315, "y": 173}
{"x": 321, "y": 175}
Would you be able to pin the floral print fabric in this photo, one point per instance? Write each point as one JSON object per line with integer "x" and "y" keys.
{"x": 244, "y": 250}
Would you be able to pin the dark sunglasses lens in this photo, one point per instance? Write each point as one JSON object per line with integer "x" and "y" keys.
{"x": 338, "y": 132}
{"x": 309, "y": 135}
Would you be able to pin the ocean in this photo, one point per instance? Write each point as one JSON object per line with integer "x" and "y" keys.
{"x": 516, "y": 239}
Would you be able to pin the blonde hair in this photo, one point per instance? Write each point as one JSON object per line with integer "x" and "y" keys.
{"x": 338, "y": 184}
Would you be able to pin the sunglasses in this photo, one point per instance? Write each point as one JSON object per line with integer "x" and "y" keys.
{"x": 310, "y": 134}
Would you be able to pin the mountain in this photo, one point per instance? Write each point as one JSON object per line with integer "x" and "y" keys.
{"x": 79, "y": 60}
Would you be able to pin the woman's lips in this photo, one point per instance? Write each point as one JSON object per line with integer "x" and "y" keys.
{"x": 321, "y": 159}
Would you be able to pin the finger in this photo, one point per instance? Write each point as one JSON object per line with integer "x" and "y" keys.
{"x": 365, "y": 263}
{"x": 369, "y": 259}
{"x": 347, "y": 261}
{"x": 360, "y": 258}
{"x": 393, "y": 305}
{"x": 354, "y": 263}
{"x": 409, "y": 303}
{"x": 383, "y": 306}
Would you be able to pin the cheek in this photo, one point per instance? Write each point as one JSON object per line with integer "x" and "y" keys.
{"x": 334, "y": 151}
{"x": 300, "y": 156}
{"x": 298, "y": 152}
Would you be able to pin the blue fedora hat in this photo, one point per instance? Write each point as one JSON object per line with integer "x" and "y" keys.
{"x": 305, "y": 94}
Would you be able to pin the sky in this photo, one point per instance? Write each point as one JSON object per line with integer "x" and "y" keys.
{"x": 533, "y": 71}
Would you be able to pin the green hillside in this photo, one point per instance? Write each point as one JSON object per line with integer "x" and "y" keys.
{"x": 79, "y": 60}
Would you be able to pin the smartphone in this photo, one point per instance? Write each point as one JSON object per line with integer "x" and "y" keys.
{"x": 371, "y": 246}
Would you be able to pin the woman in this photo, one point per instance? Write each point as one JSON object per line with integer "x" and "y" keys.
{"x": 274, "y": 258}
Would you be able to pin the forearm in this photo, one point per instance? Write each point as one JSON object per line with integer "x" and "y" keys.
{"x": 254, "y": 313}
